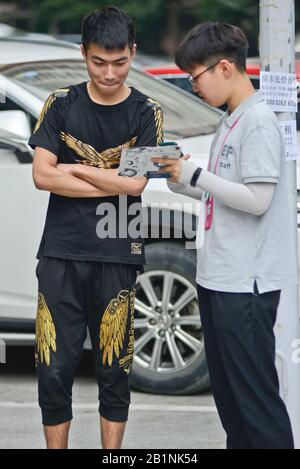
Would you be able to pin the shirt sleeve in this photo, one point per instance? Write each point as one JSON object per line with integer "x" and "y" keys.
{"x": 46, "y": 132}
{"x": 261, "y": 153}
{"x": 253, "y": 198}
{"x": 187, "y": 190}
{"x": 151, "y": 129}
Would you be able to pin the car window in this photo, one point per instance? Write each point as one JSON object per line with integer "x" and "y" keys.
{"x": 181, "y": 82}
{"x": 184, "y": 115}
{"x": 255, "y": 81}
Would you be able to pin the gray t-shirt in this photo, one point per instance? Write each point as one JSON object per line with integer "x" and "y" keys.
{"x": 241, "y": 248}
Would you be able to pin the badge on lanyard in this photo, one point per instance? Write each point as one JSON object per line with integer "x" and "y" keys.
{"x": 209, "y": 204}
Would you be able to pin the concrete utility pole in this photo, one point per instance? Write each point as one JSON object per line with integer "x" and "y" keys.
{"x": 277, "y": 54}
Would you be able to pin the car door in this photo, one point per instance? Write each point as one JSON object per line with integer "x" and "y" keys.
{"x": 22, "y": 214}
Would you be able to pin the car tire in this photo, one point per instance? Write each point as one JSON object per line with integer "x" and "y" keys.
{"x": 168, "y": 260}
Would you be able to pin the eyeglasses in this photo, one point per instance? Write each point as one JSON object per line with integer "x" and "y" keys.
{"x": 194, "y": 79}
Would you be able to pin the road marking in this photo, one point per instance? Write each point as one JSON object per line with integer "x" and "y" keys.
{"x": 133, "y": 407}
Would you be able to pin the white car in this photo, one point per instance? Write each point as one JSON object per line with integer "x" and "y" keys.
{"x": 169, "y": 351}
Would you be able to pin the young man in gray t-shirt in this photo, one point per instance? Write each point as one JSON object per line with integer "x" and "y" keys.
{"x": 245, "y": 260}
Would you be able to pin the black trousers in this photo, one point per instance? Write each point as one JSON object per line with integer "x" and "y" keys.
{"x": 74, "y": 295}
{"x": 240, "y": 351}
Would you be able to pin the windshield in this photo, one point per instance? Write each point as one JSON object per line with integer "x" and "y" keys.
{"x": 184, "y": 115}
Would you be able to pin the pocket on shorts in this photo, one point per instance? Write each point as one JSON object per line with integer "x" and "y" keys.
{"x": 38, "y": 267}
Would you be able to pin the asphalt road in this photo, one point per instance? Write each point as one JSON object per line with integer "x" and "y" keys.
{"x": 155, "y": 422}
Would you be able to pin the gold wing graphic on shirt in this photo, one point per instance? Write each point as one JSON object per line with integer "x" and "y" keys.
{"x": 91, "y": 157}
{"x": 47, "y": 106}
{"x": 45, "y": 331}
{"x": 113, "y": 327}
{"x": 158, "y": 117}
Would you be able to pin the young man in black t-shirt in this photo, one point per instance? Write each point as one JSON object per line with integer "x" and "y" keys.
{"x": 87, "y": 279}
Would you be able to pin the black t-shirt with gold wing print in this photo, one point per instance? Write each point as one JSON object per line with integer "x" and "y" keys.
{"x": 78, "y": 130}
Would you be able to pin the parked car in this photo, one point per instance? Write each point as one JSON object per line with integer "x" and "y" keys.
{"x": 169, "y": 352}
{"x": 172, "y": 74}
{"x": 175, "y": 76}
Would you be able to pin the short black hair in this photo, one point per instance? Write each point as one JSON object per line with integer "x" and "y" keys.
{"x": 210, "y": 41}
{"x": 110, "y": 28}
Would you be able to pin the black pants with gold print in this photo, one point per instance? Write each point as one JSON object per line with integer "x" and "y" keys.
{"x": 74, "y": 296}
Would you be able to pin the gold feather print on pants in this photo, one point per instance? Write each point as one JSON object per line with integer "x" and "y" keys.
{"x": 45, "y": 331}
{"x": 91, "y": 157}
{"x": 113, "y": 327}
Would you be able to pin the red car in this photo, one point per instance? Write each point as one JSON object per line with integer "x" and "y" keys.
{"x": 177, "y": 77}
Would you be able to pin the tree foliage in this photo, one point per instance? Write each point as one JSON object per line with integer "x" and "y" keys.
{"x": 160, "y": 24}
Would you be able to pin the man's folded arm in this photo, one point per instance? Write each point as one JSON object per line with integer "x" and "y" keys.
{"x": 108, "y": 180}
{"x": 47, "y": 177}
{"x": 150, "y": 134}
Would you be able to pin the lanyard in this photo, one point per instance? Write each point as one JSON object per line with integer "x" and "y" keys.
{"x": 223, "y": 145}
{"x": 209, "y": 203}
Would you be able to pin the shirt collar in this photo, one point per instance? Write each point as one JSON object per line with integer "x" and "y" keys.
{"x": 242, "y": 108}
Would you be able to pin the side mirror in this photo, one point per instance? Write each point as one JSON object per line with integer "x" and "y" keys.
{"x": 15, "y": 129}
